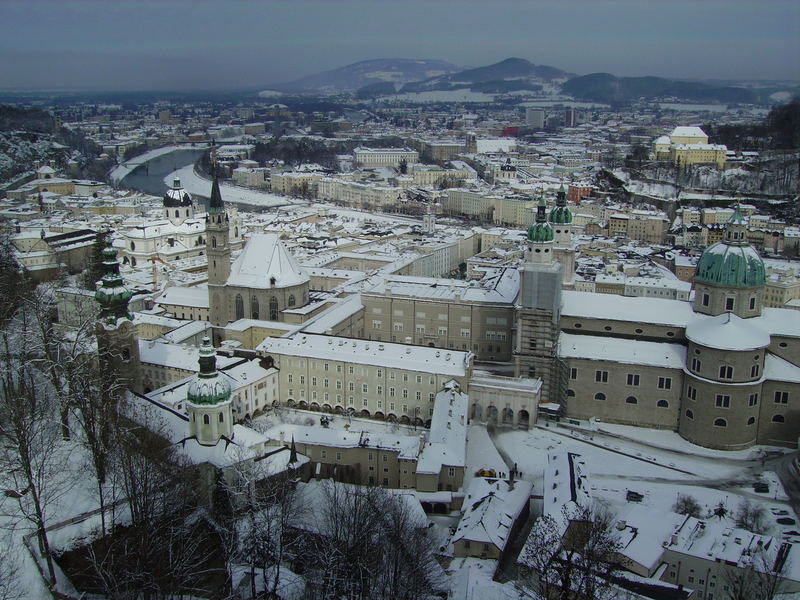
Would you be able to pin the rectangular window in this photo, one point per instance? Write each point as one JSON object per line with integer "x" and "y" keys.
{"x": 691, "y": 392}
{"x": 380, "y": 373}
{"x": 325, "y": 382}
{"x": 364, "y": 388}
{"x": 752, "y": 400}
{"x": 391, "y": 392}
{"x": 726, "y": 372}
{"x": 351, "y": 386}
{"x": 419, "y": 396}
{"x": 442, "y": 330}
{"x": 754, "y": 370}
{"x": 313, "y": 381}
{"x": 781, "y": 397}
{"x": 405, "y": 393}
{"x": 728, "y": 303}
{"x": 706, "y": 299}
{"x": 696, "y": 365}
{"x": 722, "y": 401}
{"x": 420, "y": 328}
{"x": 338, "y": 456}
{"x": 601, "y": 376}
{"x": 364, "y": 402}
{"x": 632, "y": 379}
{"x": 377, "y": 324}
{"x": 302, "y": 379}
{"x": 379, "y": 390}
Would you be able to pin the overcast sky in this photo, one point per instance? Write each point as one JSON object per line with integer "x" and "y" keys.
{"x": 198, "y": 44}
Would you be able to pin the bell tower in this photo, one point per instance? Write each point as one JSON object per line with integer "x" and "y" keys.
{"x": 539, "y": 310}
{"x": 218, "y": 250}
{"x": 208, "y": 400}
{"x": 117, "y": 343}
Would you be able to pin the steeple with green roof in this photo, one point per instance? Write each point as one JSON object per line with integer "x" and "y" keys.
{"x": 561, "y": 214}
{"x": 209, "y": 387}
{"x": 112, "y": 295}
{"x": 540, "y": 231}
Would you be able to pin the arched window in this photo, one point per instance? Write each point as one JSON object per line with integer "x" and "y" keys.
{"x": 236, "y": 232}
{"x": 239, "y": 307}
{"x": 291, "y": 300}
{"x": 662, "y": 404}
{"x": 206, "y": 420}
{"x": 133, "y": 245}
{"x": 273, "y": 308}
{"x": 631, "y": 400}
{"x": 213, "y": 241}
{"x": 720, "y": 423}
{"x": 254, "y": 307}
{"x": 778, "y": 419}
{"x": 751, "y": 421}
{"x": 133, "y": 261}
{"x": 177, "y": 214}
{"x": 221, "y": 418}
{"x": 571, "y": 393}
{"x": 689, "y": 414}
{"x": 599, "y": 396}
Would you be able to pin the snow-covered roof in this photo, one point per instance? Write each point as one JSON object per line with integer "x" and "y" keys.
{"x": 264, "y": 258}
{"x": 778, "y": 369}
{"x": 195, "y": 296}
{"x": 657, "y": 311}
{"x": 382, "y": 354}
{"x": 491, "y": 508}
{"x": 177, "y": 356}
{"x": 688, "y": 131}
{"x": 447, "y": 439}
{"x": 727, "y": 332}
{"x": 635, "y": 352}
{"x": 406, "y": 446}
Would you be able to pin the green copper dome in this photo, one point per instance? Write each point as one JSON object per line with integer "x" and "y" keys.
{"x": 540, "y": 231}
{"x": 112, "y": 295}
{"x": 561, "y": 215}
{"x": 209, "y": 387}
{"x": 733, "y": 262}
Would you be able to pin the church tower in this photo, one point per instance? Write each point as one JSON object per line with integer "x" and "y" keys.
{"x": 117, "y": 344}
{"x": 208, "y": 400}
{"x": 178, "y": 204}
{"x": 561, "y": 221}
{"x": 539, "y": 310}
{"x": 218, "y": 250}
{"x": 730, "y": 275}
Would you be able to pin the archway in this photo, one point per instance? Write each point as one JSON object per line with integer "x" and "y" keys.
{"x": 491, "y": 414}
{"x": 302, "y": 404}
{"x": 523, "y": 419}
{"x": 477, "y": 411}
{"x": 314, "y": 406}
{"x": 379, "y": 415}
{"x": 508, "y": 416}
{"x": 327, "y": 408}
{"x": 364, "y": 413}
{"x": 391, "y": 418}
{"x": 404, "y": 420}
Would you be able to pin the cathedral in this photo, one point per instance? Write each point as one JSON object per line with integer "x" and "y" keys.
{"x": 723, "y": 371}
{"x": 264, "y": 280}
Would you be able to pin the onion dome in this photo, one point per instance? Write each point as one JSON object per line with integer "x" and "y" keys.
{"x": 561, "y": 214}
{"x": 733, "y": 262}
{"x": 540, "y": 231}
{"x": 177, "y": 196}
{"x": 112, "y": 296}
{"x": 208, "y": 387}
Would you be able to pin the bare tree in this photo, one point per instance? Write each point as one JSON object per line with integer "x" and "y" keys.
{"x": 761, "y": 578}
{"x": 751, "y": 516}
{"x": 687, "y": 505}
{"x": 571, "y": 557}
{"x": 33, "y": 455}
{"x": 9, "y": 584}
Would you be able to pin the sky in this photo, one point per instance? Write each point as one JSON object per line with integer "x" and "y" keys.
{"x": 226, "y": 44}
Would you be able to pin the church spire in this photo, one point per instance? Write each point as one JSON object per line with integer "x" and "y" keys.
{"x": 216, "y": 206}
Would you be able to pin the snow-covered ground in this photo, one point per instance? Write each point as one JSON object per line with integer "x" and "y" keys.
{"x": 199, "y": 186}
{"x": 127, "y": 167}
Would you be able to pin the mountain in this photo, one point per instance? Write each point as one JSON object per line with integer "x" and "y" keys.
{"x": 507, "y": 75}
{"x": 366, "y": 73}
{"x": 604, "y": 87}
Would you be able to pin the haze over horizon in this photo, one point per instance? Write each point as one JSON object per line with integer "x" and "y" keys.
{"x": 178, "y": 44}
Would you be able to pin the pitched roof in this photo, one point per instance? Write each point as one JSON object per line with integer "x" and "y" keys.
{"x": 264, "y": 258}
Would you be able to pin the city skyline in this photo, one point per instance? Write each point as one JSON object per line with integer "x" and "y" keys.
{"x": 203, "y": 45}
